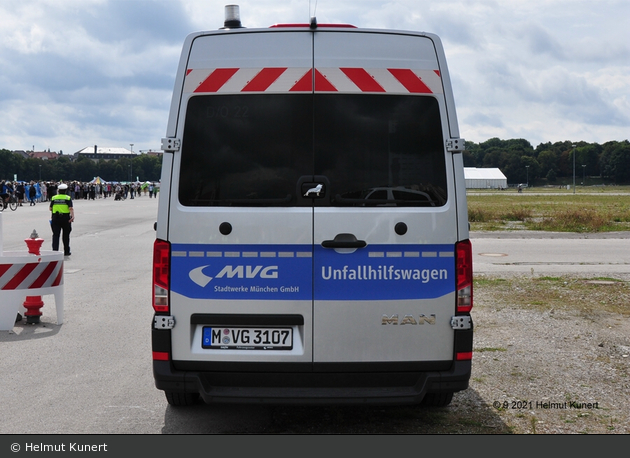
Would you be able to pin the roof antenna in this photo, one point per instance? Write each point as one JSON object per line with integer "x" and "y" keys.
{"x": 313, "y": 22}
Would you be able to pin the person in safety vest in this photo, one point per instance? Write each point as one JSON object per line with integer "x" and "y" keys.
{"x": 61, "y": 218}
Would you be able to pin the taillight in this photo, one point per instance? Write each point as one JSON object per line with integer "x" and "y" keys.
{"x": 464, "y": 276}
{"x": 161, "y": 273}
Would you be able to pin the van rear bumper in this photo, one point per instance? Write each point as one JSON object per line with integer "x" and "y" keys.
{"x": 314, "y": 387}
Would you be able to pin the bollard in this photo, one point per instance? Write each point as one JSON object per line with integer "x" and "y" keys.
{"x": 33, "y": 304}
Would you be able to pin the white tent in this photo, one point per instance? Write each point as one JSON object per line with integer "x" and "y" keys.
{"x": 485, "y": 178}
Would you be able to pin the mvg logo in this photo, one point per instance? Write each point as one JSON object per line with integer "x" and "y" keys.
{"x": 197, "y": 275}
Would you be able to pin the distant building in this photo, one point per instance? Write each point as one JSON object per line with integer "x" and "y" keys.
{"x": 97, "y": 153}
{"x": 484, "y": 178}
{"x": 43, "y": 155}
{"x": 22, "y": 153}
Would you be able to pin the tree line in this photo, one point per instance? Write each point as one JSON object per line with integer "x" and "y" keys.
{"x": 520, "y": 162}
{"x": 552, "y": 163}
{"x": 144, "y": 167}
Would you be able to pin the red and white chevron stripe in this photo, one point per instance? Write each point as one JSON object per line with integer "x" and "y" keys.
{"x": 300, "y": 79}
{"x": 34, "y": 275}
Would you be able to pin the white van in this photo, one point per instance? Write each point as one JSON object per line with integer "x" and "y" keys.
{"x": 312, "y": 233}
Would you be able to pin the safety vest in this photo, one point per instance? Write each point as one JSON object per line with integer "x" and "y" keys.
{"x": 60, "y": 203}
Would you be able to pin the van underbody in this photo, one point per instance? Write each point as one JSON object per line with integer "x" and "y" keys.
{"x": 385, "y": 383}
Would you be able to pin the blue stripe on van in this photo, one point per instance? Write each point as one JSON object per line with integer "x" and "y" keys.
{"x": 385, "y": 272}
{"x": 263, "y": 272}
{"x": 285, "y": 272}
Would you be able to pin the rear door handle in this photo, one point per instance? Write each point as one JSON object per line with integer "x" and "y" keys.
{"x": 333, "y": 244}
{"x": 344, "y": 241}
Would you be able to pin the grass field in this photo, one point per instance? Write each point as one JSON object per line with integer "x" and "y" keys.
{"x": 544, "y": 293}
{"x": 590, "y": 209}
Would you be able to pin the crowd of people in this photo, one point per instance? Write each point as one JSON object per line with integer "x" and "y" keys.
{"x": 34, "y": 192}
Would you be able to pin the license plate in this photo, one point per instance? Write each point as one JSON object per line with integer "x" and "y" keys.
{"x": 229, "y": 338}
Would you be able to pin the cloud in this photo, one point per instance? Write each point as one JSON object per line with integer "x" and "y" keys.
{"x": 79, "y": 72}
{"x": 541, "y": 43}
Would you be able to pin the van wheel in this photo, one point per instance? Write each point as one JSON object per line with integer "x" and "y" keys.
{"x": 437, "y": 399}
{"x": 175, "y": 398}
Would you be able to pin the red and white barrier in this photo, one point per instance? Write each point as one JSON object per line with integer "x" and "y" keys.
{"x": 24, "y": 274}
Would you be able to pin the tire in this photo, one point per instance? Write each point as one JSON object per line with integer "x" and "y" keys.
{"x": 437, "y": 399}
{"x": 13, "y": 205}
{"x": 178, "y": 399}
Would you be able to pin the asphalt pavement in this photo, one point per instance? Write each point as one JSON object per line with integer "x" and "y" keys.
{"x": 93, "y": 373}
{"x": 552, "y": 253}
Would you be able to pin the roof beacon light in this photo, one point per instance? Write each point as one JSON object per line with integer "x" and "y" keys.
{"x": 232, "y": 17}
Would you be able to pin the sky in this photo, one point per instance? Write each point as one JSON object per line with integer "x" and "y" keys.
{"x": 79, "y": 73}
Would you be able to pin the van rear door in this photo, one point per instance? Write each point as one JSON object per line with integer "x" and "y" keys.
{"x": 385, "y": 229}
{"x": 241, "y": 272}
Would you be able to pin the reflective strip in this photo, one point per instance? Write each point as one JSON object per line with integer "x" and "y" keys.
{"x": 34, "y": 275}
{"x": 45, "y": 276}
{"x": 59, "y": 280}
{"x": 464, "y": 356}
{"x": 363, "y": 80}
{"x": 379, "y": 80}
{"x": 161, "y": 356}
{"x": 214, "y": 81}
{"x": 300, "y": 79}
{"x": 242, "y": 254}
{"x": 410, "y": 80}
{"x": 263, "y": 79}
{"x": 19, "y": 277}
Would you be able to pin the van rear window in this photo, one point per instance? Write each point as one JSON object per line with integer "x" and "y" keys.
{"x": 251, "y": 150}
